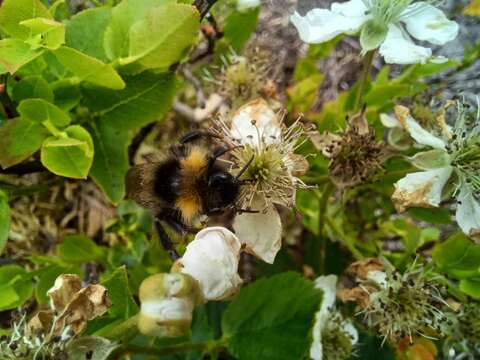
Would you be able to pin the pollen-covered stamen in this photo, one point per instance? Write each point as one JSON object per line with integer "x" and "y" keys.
{"x": 385, "y": 12}
{"x": 410, "y": 304}
{"x": 337, "y": 343}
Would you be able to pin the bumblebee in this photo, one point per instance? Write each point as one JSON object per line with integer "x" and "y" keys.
{"x": 188, "y": 183}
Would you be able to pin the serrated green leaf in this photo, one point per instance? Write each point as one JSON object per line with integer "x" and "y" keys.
{"x": 458, "y": 256}
{"x": 45, "y": 33}
{"x": 163, "y": 36}
{"x": 79, "y": 249}
{"x": 19, "y": 139}
{"x": 89, "y": 69}
{"x": 12, "y": 12}
{"x": 16, "y": 286}
{"x": 272, "y": 318}
{"x": 4, "y": 220}
{"x": 90, "y": 347}
{"x": 40, "y": 111}
{"x": 123, "y": 304}
{"x": 32, "y": 87}
{"x": 70, "y": 156}
{"x": 124, "y": 15}
{"x": 14, "y": 54}
{"x": 85, "y": 32}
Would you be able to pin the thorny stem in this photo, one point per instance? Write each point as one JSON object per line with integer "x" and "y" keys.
{"x": 364, "y": 76}
{"x": 322, "y": 209}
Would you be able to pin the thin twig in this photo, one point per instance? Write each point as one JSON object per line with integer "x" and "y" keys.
{"x": 188, "y": 75}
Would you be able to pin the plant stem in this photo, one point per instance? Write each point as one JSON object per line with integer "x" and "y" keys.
{"x": 122, "y": 330}
{"x": 364, "y": 77}
{"x": 322, "y": 209}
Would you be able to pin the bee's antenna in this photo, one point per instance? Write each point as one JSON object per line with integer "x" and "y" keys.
{"x": 239, "y": 175}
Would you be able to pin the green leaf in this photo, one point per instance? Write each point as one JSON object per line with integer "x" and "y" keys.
{"x": 163, "y": 37}
{"x": 67, "y": 96}
{"x": 110, "y": 164}
{"x": 304, "y": 93}
{"x": 123, "y": 304}
{"x": 431, "y": 159}
{"x": 239, "y": 26}
{"x": 90, "y": 347}
{"x": 70, "y": 156}
{"x": 14, "y": 54}
{"x": 15, "y": 286}
{"x": 40, "y": 111}
{"x": 147, "y": 98}
{"x": 458, "y": 256}
{"x": 124, "y": 15}
{"x": 32, "y": 87}
{"x": 272, "y": 318}
{"x": 4, "y": 220}
{"x": 372, "y": 35}
{"x": 19, "y": 139}
{"x": 45, "y": 33}
{"x": 89, "y": 69}
{"x": 78, "y": 249}
{"x": 85, "y": 32}
{"x": 431, "y": 215}
{"x": 471, "y": 287}
{"x": 12, "y": 12}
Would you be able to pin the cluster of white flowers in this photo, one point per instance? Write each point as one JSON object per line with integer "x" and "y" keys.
{"x": 454, "y": 159}
{"x": 386, "y": 25}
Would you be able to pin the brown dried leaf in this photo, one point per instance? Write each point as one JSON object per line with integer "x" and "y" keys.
{"x": 63, "y": 291}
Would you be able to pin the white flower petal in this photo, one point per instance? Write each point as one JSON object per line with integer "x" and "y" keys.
{"x": 328, "y": 285}
{"x": 212, "y": 259}
{"x": 255, "y": 121}
{"x": 352, "y": 331}
{"x": 320, "y": 25}
{"x": 389, "y": 121}
{"x": 247, "y": 4}
{"x": 379, "y": 277}
{"x": 468, "y": 214}
{"x": 422, "y": 188}
{"x": 419, "y": 134}
{"x": 261, "y": 232}
{"x": 397, "y": 48}
{"x": 427, "y": 23}
{"x": 352, "y": 8}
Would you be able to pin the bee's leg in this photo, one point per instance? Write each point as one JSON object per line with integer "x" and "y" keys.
{"x": 165, "y": 240}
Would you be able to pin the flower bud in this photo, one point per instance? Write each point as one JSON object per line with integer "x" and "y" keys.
{"x": 212, "y": 259}
{"x": 167, "y": 303}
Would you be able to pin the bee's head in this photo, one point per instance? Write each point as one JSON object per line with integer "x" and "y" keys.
{"x": 222, "y": 189}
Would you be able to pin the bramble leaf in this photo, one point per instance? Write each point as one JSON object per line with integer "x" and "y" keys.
{"x": 12, "y": 12}
{"x": 19, "y": 139}
{"x": 70, "y": 156}
{"x": 272, "y": 318}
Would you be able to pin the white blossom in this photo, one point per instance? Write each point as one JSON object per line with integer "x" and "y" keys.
{"x": 455, "y": 157}
{"x": 330, "y": 323}
{"x": 247, "y": 4}
{"x": 212, "y": 259}
{"x": 386, "y": 25}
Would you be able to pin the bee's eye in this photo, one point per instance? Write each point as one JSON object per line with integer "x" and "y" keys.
{"x": 217, "y": 180}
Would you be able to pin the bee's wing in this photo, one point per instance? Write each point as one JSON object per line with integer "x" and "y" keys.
{"x": 140, "y": 186}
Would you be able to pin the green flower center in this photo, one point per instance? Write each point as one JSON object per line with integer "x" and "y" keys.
{"x": 385, "y": 12}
